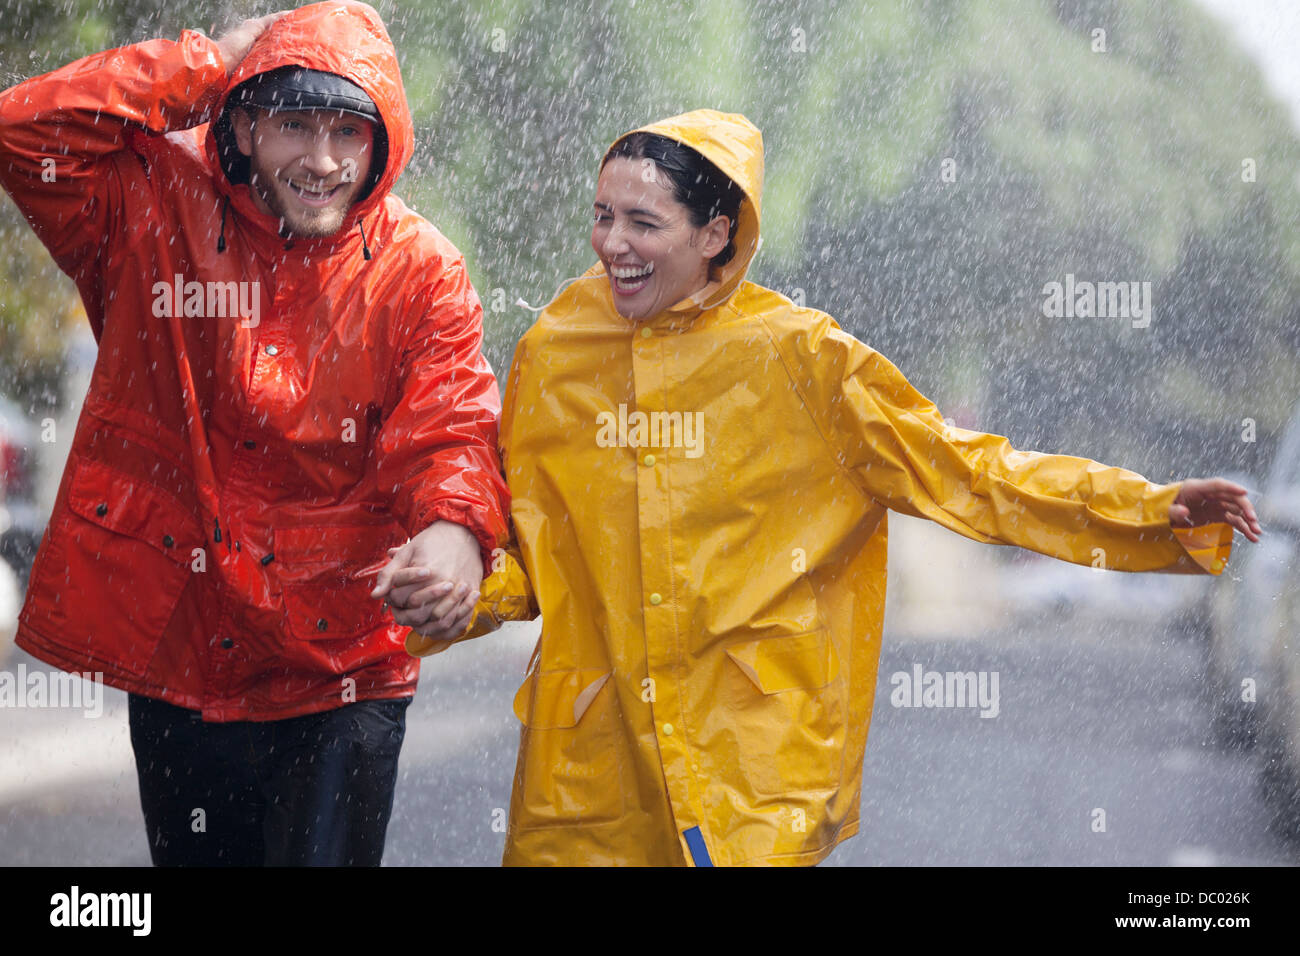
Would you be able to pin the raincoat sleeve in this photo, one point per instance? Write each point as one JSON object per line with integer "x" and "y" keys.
{"x": 506, "y": 593}
{"x": 900, "y": 452}
{"x": 437, "y": 446}
{"x": 66, "y": 141}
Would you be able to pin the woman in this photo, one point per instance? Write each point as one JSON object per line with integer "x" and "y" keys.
{"x": 700, "y": 475}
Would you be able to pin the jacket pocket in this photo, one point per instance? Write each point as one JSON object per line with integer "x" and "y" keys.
{"x": 120, "y": 503}
{"x": 571, "y": 749}
{"x": 113, "y": 565}
{"x": 786, "y": 697}
{"x": 323, "y": 598}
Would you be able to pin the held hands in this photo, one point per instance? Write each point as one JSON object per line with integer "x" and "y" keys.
{"x": 431, "y": 582}
{"x": 234, "y": 44}
{"x": 1208, "y": 500}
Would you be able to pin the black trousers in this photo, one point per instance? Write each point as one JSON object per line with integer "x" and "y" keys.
{"x": 304, "y": 791}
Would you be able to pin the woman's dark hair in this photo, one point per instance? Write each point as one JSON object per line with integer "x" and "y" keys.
{"x": 698, "y": 185}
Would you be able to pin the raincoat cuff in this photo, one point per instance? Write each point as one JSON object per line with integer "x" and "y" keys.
{"x": 417, "y": 645}
{"x": 200, "y": 43}
{"x": 1205, "y": 548}
{"x": 483, "y": 621}
{"x": 204, "y": 58}
{"x": 1208, "y": 545}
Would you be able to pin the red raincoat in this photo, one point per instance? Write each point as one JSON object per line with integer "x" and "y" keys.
{"x": 236, "y": 465}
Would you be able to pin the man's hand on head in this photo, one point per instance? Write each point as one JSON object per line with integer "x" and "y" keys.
{"x": 235, "y": 43}
{"x": 432, "y": 582}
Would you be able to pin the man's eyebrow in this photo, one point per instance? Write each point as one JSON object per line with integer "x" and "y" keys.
{"x": 281, "y": 115}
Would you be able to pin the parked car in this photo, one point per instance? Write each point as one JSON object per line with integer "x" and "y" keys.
{"x": 21, "y": 521}
{"x": 1279, "y": 712}
{"x": 1279, "y": 725}
{"x": 10, "y": 604}
{"x": 1245, "y": 607}
{"x": 1243, "y": 619}
{"x": 1253, "y": 656}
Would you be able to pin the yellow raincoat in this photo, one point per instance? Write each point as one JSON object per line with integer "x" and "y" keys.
{"x": 699, "y": 502}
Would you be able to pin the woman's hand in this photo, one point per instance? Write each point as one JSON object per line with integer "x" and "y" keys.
{"x": 1207, "y": 500}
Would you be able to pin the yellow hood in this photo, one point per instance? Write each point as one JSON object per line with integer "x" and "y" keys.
{"x": 735, "y": 146}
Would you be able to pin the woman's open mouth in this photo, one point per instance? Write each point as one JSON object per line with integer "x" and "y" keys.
{"x": 629, "y": 280}
{"x": 314, "y": 195}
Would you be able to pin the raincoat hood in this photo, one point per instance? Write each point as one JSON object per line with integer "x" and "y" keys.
{"x": 735, "y": 146}
{"x": 341, "y": 37}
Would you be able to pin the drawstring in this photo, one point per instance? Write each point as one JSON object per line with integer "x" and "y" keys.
{"x": 558, "y": 289}
{"x": 365, "y": 249}
{"x": 221, "y": 239}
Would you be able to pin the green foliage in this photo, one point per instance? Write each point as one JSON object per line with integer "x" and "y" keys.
{"x": 1122, "y": 163}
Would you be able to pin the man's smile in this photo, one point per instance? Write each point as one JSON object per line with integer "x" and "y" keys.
{"x": 314, "y": 195}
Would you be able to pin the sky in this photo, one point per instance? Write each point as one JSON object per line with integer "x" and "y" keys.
{"x": 1269, "y": 31}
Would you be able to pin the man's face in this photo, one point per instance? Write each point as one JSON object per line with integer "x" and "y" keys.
{"x": 307, "y": 167}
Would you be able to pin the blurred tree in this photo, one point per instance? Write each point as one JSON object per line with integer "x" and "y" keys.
{"x": 931, "y": 166}
{"x": 38, "y": 304}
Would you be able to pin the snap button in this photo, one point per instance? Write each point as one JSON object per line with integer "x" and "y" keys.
{"x": 656, "y": 598}
{"x": 168, "y": 541}
{"x": 227, "y": 643}
{"x": 272, "y": 350}
{"x": 648, "y": 461}
{"x": 101, "y": 510}
{"x": 647, "y": 332}
{"x": 668, "y": 730}
{"x": 322, "y": 624}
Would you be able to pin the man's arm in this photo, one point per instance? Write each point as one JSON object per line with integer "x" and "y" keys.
{"x": 438, "y": 455}
{"x": 901, "y": 453}
{"x": 438, "y": 619}
{"x": 65, "y": 136}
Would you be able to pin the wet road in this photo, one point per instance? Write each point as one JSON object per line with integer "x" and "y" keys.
{"x": 1091, "y": 715}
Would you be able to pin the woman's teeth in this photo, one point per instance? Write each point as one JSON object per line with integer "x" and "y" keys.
{"x": 629, "y": 279}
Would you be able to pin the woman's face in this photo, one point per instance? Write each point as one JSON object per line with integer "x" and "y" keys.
{"x": 653, "y": 256}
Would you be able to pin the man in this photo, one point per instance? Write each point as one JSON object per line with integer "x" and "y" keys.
{"x": 289, "y": 386}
